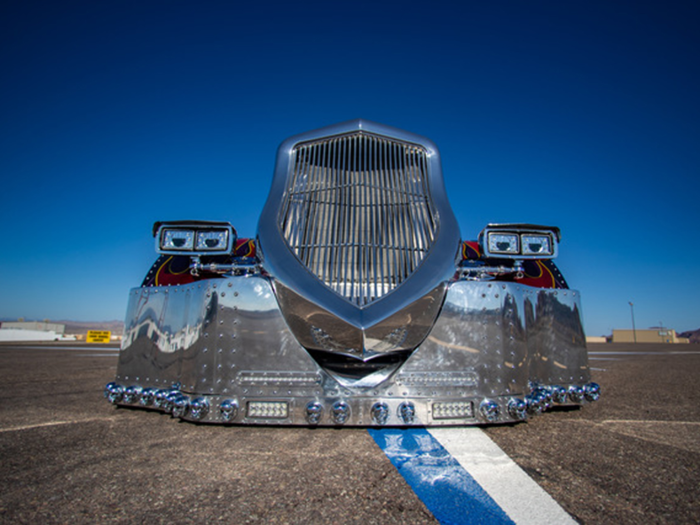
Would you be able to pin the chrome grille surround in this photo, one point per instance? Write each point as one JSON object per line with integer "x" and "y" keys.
{"x": 309, "y": 244}
{"x": 357, "y": 212}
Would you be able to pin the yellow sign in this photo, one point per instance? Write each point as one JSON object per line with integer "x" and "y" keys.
{"x": 98, "y": 336}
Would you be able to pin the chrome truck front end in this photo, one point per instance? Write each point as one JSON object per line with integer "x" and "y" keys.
{"x": 358, "y": 303}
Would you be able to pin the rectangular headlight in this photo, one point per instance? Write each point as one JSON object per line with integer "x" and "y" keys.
{"x": 540, "y": 245}
{"x": 177, "y": 240}
{"x": 519, "y": 241}
{"x": 212, "y": 240}
{"x": 503, "y": 243}
{"x": 194, "y": 238}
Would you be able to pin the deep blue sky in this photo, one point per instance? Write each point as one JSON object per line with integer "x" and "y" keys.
{"x": 115, "y": 114}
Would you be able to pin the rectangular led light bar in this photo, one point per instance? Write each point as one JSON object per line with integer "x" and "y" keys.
{"x": 452, "y": 409}
{"x": 268, "y": 409}
{"x": 194, "y": 237}
{"x": 520, "y": 241}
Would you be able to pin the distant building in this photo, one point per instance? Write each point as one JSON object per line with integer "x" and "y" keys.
{"x": 596, "y": 339}
{"x": 39, "y": 326}
{"x": 33, "y": 331}
{"x": 652, "y": 335}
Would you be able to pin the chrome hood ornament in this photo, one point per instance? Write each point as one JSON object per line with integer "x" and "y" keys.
{"x": 360, "y": 237}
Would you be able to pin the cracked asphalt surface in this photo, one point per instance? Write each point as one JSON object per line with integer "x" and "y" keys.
{"x": 69, "y": 456}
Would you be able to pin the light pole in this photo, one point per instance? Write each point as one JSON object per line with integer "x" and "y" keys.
{"x": 634, "y": 328}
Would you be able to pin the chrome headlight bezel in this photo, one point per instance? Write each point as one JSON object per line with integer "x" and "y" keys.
{"x": 519, "y": 241}
{"x": 194, "y": 238}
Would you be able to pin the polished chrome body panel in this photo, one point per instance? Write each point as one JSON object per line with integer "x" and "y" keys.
{"x": 225, "y": 341}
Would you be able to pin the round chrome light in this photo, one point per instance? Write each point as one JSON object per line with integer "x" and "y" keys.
{"x": 558, "y": 394}
{"x": 535, "y": 403}
{"x": 544, "y": 395}
{"x": 314, "y": 411}
{"x": 114, "y": 393}
{"x": 162, "y": 400}
{"x": 199, "y": 408}
{"x": 407, "y": 412}
{"x": 489, "y": 410}
{"x": 576, "y": 393}
{"x": 147, "y": 397}
{"x": 591, "y": 391}
{"x": 380, "y": 413}
{"x": 517, "y": 409}
{"x": 181, "y": 405}
{"x": 340, "y": 412}
{"x": 228, "y": 410}
{"x": 132, "y": 394}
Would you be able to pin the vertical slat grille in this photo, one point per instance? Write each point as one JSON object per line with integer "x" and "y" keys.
{"x": 357, "y": 212}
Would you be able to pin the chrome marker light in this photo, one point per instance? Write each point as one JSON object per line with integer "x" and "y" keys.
{"x": 314, "y": 411}
{"x": 489, "y": 410}
{"x": 535, "y": 403}
{"x": 558, "y": 394}
{"x": 380, "y": 413}
{"x": 407, "y": 412}
{"x": 576, "y": 393}
{"x": 591, "y": 392}
{"x": 199, "y": 408}
{"x": 161, "y": 399}
{"x": 517, "y": 409}
{"x": 228, "y": 410}
{"x": 181, "y": 405}
{"x": 340, "y": 412}
{"x": 132, "y": 394}
{"x": 147, "y": 397}
{"x": 114, "y": 393}
{"x": 544, "y": 395}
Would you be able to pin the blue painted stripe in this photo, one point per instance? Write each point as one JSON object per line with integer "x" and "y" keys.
{"x": 446, "y": 489}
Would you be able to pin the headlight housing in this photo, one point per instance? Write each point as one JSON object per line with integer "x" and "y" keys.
{"x": 519, "y": 241}
{"x": 194, "y": 237}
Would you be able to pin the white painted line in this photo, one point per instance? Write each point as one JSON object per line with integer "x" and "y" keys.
{"x": 55, "y": 423}
{"x": 50, "y": 347}
{"x": 511, "y": 488}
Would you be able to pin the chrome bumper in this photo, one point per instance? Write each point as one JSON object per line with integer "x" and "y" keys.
{"x": 219, "y": 351}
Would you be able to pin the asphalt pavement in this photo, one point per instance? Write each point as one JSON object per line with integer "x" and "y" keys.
{"x": 68, "y": 456}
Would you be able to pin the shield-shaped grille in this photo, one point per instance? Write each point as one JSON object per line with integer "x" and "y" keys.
{"x": 357, "y": 212}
